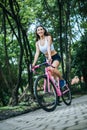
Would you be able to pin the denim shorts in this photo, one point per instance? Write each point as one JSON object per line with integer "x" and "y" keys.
{"x": 56, "y": 57}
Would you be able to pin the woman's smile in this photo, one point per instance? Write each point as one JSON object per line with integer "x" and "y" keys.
{"x": 40, "y": 31}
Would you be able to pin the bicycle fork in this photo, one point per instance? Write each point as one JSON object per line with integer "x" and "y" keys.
{"x": 46, "y": 81}
{"x": 46, "y": 84}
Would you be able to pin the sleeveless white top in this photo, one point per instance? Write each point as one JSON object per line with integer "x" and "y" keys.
{"x": 43, "y": 48}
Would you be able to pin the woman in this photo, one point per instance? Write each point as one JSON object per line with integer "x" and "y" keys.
{"x": 44, "y": 44}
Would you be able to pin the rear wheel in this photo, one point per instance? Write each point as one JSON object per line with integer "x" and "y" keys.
{"x": 66, "y": 94}
{"x": 46, "y": 97}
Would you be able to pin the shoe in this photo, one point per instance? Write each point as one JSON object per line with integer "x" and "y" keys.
{"x": 58, "y": 101}
{"x": 62, "y": 83}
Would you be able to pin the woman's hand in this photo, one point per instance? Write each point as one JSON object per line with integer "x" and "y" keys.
{"x": 49, "y": 60}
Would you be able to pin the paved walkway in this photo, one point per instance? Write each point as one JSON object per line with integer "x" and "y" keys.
{"x": 72, "y": 117}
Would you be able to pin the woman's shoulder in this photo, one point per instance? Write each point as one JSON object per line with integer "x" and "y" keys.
{"x": 37, "y": 43}
{"x": 49, "y": 37}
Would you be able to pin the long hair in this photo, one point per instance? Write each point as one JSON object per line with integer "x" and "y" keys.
{"x": 45, "y": 33}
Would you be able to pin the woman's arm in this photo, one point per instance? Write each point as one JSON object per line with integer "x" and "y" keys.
{"x": 49, "y": 39}
{"x": 36, "y": 54}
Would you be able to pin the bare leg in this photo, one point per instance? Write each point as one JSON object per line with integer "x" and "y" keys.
{"x": 55, "y": 71}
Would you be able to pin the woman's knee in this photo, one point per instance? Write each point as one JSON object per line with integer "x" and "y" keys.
{"x": 51, "y": 70}
{"x": 56, "y": 64}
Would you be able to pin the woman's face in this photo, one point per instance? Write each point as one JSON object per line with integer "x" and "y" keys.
{"x": 40, "y": 31}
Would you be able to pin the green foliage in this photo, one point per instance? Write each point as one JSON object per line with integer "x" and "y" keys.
{"x": 46, "y": 12}
{"x": 79, "y": 58}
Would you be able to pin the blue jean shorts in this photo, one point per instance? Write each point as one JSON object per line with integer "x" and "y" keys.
{"x": 56, "y": 57}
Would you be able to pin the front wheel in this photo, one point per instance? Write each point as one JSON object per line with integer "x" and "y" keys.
{"x": 45, "y": 95}
{"x": 66, "y": 94}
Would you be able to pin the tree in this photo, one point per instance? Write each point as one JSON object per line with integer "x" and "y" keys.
{"x": 80, "y": 55}
{"x": 22, "y": 39}
{"x": 17, "y": 40}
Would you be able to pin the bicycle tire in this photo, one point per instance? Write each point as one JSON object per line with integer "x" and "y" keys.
{"x": 47, "y": 100}
{"x": 67, "y": 96}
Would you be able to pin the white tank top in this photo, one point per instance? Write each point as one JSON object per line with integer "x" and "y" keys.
{"x": 43, "y": 48}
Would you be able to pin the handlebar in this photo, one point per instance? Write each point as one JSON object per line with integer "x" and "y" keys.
{"x": 39, "y": 65}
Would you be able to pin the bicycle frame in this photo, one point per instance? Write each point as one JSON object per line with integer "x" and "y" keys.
{"x": 49, "y": 77}
{"x": 47, "y": 91}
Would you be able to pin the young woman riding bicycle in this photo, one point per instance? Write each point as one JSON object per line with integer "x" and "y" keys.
{"x": 44, "y": 44}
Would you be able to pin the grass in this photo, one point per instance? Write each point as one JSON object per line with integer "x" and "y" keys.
{"x": 22, "y": 108}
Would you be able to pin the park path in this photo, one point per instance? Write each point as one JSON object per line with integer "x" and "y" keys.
{"x": 72, "y": 117}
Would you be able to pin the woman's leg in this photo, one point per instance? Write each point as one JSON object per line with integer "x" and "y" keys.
{"x": 55, "y": 71}
{"x": 56, "y": 74}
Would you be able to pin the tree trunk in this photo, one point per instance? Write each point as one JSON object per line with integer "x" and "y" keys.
{"x": 60, "y": 23}
{"x": 84, "y": 72}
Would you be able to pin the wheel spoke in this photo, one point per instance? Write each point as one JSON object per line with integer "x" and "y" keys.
{"x": 66, "y": 95}
{"x": 45, "y": 96}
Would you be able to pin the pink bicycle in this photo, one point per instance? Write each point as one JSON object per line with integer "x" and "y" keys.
{"x": 47, "y": 92}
